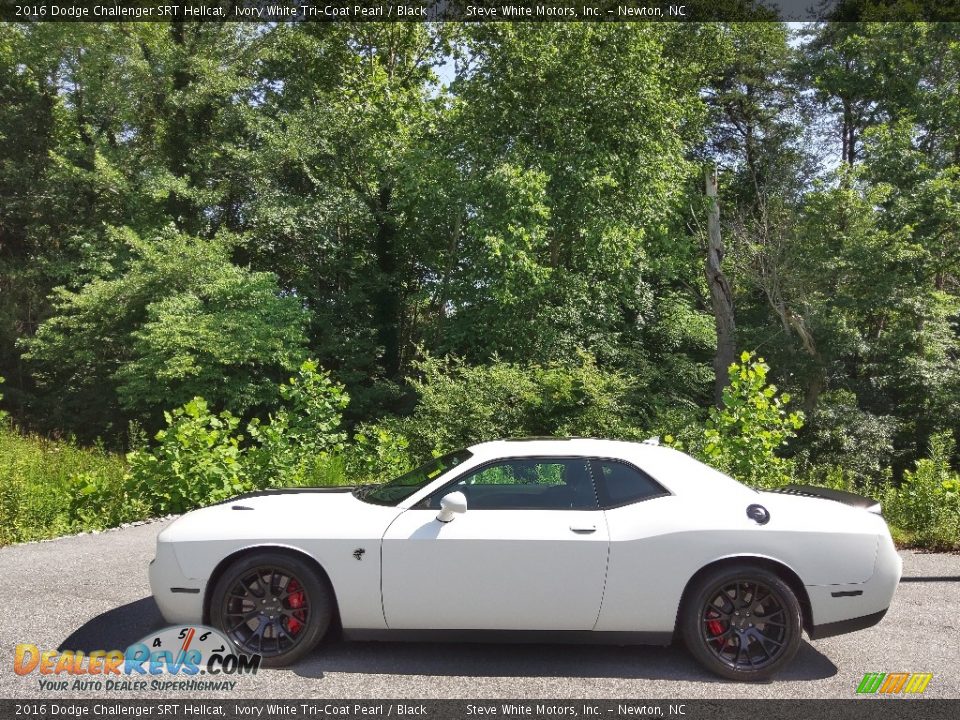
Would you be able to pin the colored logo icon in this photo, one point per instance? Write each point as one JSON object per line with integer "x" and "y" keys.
{"x": 894, "y": 683}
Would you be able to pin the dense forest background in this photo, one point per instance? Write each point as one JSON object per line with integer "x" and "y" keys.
{"x": 484, "y": 230}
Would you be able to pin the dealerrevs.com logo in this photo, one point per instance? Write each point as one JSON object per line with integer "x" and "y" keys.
{"x": 894, "y": 683}
{"x": 169, "y": 660}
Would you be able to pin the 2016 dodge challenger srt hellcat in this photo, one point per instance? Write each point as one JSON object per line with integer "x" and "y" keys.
{"x": 536, "y": 539}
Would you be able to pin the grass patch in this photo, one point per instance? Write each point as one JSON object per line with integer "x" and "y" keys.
{"x": 50, "y": 488}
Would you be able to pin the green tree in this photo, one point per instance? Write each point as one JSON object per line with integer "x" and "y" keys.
{"x": 349, "y": 192}
{"x": 570, "y": 204}
{"x": 179, "y": 321}
{"x": 102, "y": 126}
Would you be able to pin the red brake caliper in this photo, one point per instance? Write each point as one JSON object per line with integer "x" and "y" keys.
{"x": 715, "y": 627}
{"x": 295, "y": 601}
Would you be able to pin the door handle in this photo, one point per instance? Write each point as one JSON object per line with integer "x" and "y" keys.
{"x": 584, "y": 529}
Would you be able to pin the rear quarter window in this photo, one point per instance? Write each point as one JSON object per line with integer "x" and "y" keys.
{"x": 619, "y": 483}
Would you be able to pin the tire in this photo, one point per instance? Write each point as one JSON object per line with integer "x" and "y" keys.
{"x": 281, "y": 626}
{"x": 742, "y": 622}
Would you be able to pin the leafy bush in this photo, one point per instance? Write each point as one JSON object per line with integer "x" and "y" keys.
{"x": 743, "y": 437}
{"x": 180, "y": 320}
{"x": 197, "y": 460}
{"x": 100, "y": 500}
{"x": 203, "y": 457}
{"x": 926, "y": 505}
{"x": 841, "y": 434}
{"x": 461, "y": 404}
{"x": 292, "y": 447}
{"x": 378, "y": 453}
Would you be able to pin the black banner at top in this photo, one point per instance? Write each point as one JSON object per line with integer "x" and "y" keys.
{"x": 477, "y": 10}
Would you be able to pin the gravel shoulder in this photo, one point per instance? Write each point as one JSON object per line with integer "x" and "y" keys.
{"x": 91, "y": 592}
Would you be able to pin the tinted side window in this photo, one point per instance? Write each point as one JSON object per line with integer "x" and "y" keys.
{"x": 526, "y": 483}
{"x": 621, "y": 484}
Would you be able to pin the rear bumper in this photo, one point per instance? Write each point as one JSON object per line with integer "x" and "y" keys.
{"x": 841, "y": 627}
{"x": 839, "y": 609}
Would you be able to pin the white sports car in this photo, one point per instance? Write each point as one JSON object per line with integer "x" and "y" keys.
{"x": 536, "y": 539}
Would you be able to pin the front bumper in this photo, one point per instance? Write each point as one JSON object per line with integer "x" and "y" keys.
{"x": 179, "y": 598}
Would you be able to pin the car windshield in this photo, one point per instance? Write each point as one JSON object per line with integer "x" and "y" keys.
{"x": 399, "y": 489}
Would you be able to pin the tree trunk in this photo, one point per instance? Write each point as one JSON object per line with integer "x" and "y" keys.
{"x": 721, "y": 295}
{"x": 387, "y": 300}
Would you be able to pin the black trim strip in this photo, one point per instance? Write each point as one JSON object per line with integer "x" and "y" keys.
{"x": 818, "y": 632}
{"x": 846, "y": 593}
{"x": 840, "y": 496}
{"x": 930, "y": 578}
{"x": 191, "y": 591}
{"x": 579, "y": 637}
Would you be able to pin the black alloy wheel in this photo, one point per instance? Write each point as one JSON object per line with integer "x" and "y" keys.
{"x": 742, "y": 622}
{"x": 273, "y": 605}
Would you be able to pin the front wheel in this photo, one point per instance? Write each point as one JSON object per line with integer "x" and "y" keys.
{"x": 742, "y": 622}
{"x": 273, "y": 605}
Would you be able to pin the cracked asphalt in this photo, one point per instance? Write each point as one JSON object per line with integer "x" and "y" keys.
{"x": 90, "y": 592}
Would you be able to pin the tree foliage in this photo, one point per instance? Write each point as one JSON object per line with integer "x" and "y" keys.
{"x": 746, "y": 437}
{"x": 461, "y": 404}
{"x": 203, "y": 456}
{"x": 480, "y": 230}
{"x": 180, "y": 320}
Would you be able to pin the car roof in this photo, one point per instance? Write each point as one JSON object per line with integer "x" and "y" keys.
{"x": 538, "y": 446}
{"x": 677, "y": 471}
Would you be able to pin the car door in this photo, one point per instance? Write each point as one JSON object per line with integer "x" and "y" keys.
{"x": 530, "y": 552}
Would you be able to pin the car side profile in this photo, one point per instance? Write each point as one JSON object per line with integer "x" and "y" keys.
{"x": 537, "y": 539}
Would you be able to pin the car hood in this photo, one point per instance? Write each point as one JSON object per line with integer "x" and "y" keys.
{"x": 285, "y": 514}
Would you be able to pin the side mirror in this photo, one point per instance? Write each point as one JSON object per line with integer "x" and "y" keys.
{"x": 451, "y": 505}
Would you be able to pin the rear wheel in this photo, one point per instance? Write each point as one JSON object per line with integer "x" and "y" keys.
{"x": 273, "y": 605}
{"x": 742, "y": 622}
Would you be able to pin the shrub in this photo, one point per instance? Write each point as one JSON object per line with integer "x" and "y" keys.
{"x": 840, "y": 434}
{"x": 293, "y": 446}
{"x": 197, "y": 460}
{"x": 378, "y": 453}
{"x": 926, "y": 505}
{"x": 203, "y": 458}
{"x": 44, "y": 488}
{"x": 743, "y": 437}
{"x": 461, "y": 404}
{"x": 101, "y": 500}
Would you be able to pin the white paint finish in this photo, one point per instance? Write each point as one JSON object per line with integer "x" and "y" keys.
{"x": 878, "y": 591}
{"x": 495, "y": 569}
{"x": 659, "y": 544}
{"x": 165, "y": 573}
{"x": 325, "y": 526}
{"x": 521, "y": 569}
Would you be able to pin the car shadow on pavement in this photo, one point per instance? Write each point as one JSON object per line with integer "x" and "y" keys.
{"x": 116, "y": 629}
{"x": 509, "y": 660}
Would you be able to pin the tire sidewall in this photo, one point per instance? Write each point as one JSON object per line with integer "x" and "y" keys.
{"x": 707, "y": 587}
{"x": 318, "y": 593}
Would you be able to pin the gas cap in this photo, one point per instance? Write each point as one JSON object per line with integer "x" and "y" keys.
{"x": 759, "y": 514}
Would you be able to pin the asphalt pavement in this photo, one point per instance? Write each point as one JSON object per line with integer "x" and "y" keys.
{"x": 90, "y": 592}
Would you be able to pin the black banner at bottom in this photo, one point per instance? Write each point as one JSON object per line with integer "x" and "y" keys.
{"x": 865, "y": 708}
